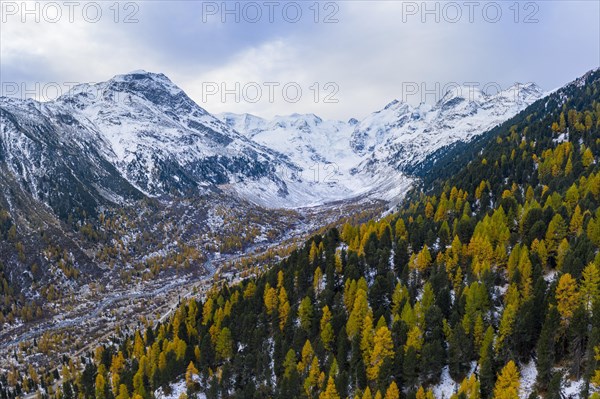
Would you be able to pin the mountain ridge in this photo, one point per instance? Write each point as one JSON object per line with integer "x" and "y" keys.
{"x": 162, "y": 142}
{"x": 390, "y": 141}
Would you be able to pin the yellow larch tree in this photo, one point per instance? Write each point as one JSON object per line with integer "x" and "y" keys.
{"x": 330, "y": 391}
{"x": 383, "y": 348}
{"x": 327, "y": 333}
{"x": 392, "y": 392}
{"x": 590, "y": 286}
{"x": 567, "y": 297}
{"x": 508, "y": 383}
{"x": 469, "y": 388}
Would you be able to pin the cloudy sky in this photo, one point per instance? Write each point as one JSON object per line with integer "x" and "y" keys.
{"x": 336, "y": 59}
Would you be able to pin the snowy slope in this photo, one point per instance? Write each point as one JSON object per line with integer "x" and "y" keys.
{"x": 306, "y": 139}
{"x": 322, "y": 150}
{"x": 162, "y": 140}
{"x": 401, "y": 135}
{"x": 370, "y": 156}
{"x": 48, "y": 154}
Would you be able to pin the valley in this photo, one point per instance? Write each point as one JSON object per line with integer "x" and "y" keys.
{"x": 93, "y": 309}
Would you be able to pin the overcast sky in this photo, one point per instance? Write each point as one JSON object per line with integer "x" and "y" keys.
{"x": 348, "y": 58}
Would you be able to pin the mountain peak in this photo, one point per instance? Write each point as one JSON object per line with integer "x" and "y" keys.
{"x": 141, "y": 79}
{"x": 457, "y": 94}
{"x": 154, "y": 87}
{"x": 392, "y": 104}
{"x": 140, "y": 74}
{"x": 520, "y": 92}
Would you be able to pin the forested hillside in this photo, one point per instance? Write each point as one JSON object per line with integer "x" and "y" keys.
{"x": 491, "y": 270}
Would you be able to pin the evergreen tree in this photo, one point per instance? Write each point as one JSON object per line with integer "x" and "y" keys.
{"x": 545, "y": 349}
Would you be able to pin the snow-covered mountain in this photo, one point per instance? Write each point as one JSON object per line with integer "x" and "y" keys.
{"x": 139, "y": 135}
{"x": 305, "y": 139}
{"x": 372, "y": 155}
{"x": 320, "y": 148}
{"x": 137, "y": 131}
{"x": 401, "y": 135}
{"x": 49, "y": 154}
{"x": 161, "y": 140}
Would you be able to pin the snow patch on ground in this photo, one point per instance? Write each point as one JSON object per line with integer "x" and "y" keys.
{"x": 177, "y": 388}
{"x": 571, "y": 389}
{"x": 446, "y": 387}
{"x": 528, "y": 376}
{"x": 550, "y": 276}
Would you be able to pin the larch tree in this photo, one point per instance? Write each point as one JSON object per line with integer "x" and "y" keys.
{"x": 123, "y": 392}
{"x": 423, "y": 259}
{"x": 116, "y": 367}
{"x": 469, "y": 389}
{"x": 327, "y": 333}
{"x": 429, "y": 210}
{"x": 400, "y": 229}
{"x": 270, "y": 299}
{"x": 289, "y": 364}
{"x": 399, "y": 297}
{"x": 357, "y": 316}
{"x": 392, "y": 392}
{"x": 190, "y": 373}
{"x": 313, "y": 253}
{"x": 576, "y": 224}
{"x": 383, "y": 348}
{"x": 414, "y": 339}
{"x": 207, "y": 311}
{"x": 306, "y": 358}
{"x": 318, "y": 280}
{"x": 587, "y": 158}
{"x": 508, "y": 383}
{"x": 596, "y": 377}
{"x": 423, "y": 394}
{"x": 100, "y": 386}
{"x": 507, "y": 322}
{"x": 224, "y": 346}
{"x": 139, "y": 387}
{"x": 366, "y": 338}
{"x": 284, "y": 307}
{"x": 567, "y": 297}
{"x": 590, "y": 286}
{"x": 330, "y": 391}
{"x": 593, "y": 229}
{"x": 314, "y": 377}
{"x": 555, "y": 233}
